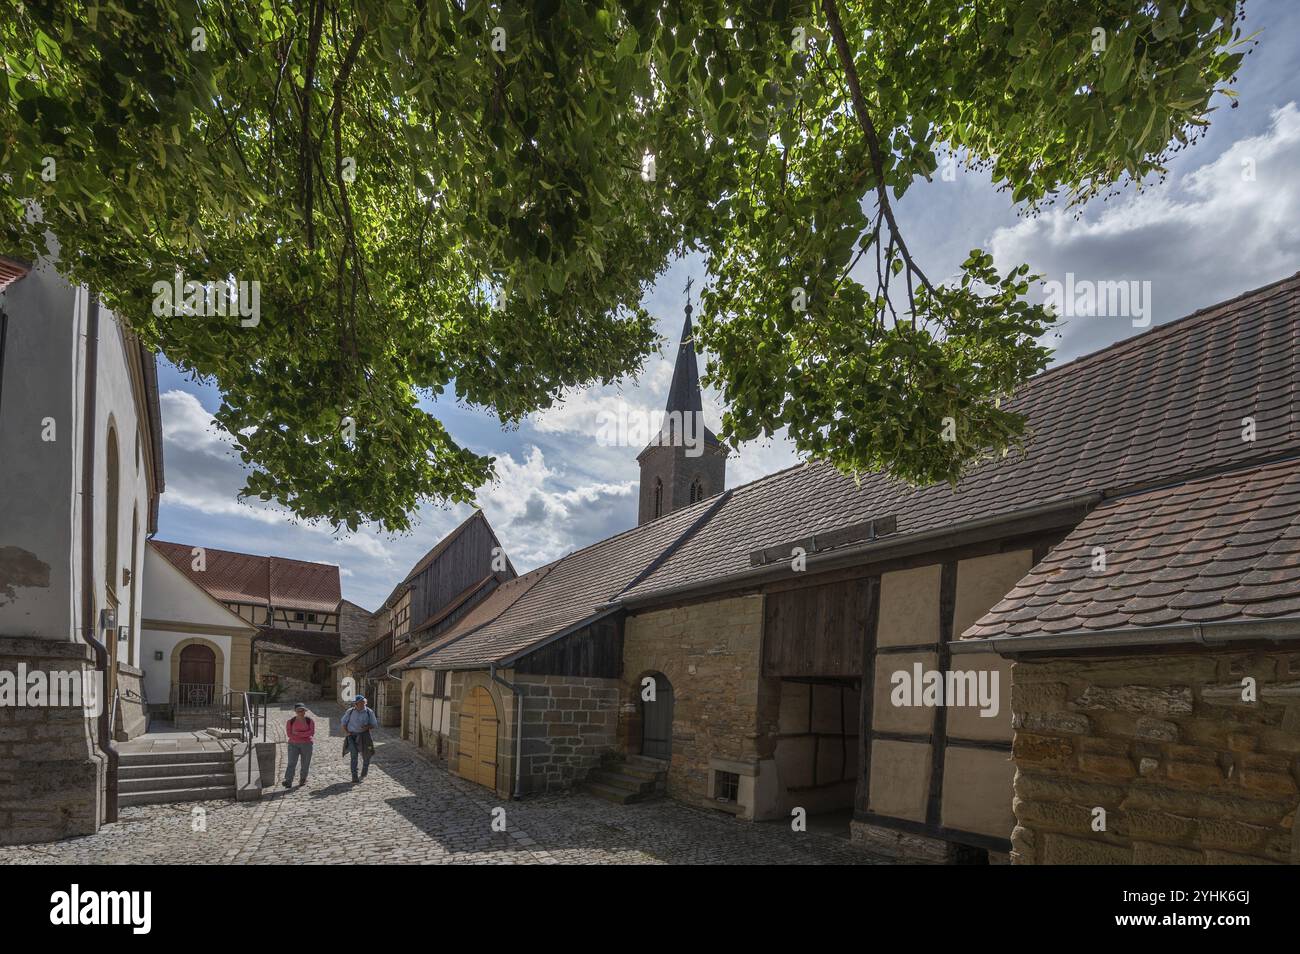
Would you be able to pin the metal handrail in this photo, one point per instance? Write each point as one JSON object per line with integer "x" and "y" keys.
{"x": 247, "y": 732}
{"x": 112, "y": 713}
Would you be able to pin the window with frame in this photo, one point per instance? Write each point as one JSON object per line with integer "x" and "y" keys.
{"x": 726, "y": 786}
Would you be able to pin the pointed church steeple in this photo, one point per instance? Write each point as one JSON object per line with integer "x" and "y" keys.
{"x": 687, "y": 462}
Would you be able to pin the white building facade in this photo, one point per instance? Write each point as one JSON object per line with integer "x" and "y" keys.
{"x": 81, "y": 472}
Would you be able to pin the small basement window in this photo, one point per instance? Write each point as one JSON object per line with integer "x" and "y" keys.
{"x": 726, "y": 786}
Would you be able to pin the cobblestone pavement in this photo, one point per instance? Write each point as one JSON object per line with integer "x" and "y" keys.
{"x": 411, "y": 811}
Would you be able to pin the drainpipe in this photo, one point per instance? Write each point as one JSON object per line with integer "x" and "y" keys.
{"x": 519, "y": 727}
{"x": 88, "y": 622}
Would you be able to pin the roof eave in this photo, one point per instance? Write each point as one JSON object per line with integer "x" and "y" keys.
{"x": 1203, "y": 635}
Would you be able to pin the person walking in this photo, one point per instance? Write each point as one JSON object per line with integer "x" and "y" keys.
{"x": 357, "y": 723}
{"x": 301, "y": 731}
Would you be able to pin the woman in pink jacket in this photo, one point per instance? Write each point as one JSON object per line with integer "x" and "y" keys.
{"x": 300, "y": 730}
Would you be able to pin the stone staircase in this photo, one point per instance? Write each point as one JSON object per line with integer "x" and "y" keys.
{"x": 624, "y": 779}
{"x": 153, "y": 778}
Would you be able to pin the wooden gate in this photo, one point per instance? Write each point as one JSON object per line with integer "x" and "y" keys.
{"x": 478, "y": 738}
{"x": 657, "y": 721}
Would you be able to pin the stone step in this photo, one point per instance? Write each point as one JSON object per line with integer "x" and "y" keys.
{"x": 172, "y": 769}
{"x": 170, "y": 758}
{"x": 610, "y": 794}
{"x": 629, "y": 768}
{"x": 615, "y": 779}
{"x": 647, "y": 763}
{"x": 166, "y": 796}
{"x": 176, "y": 782}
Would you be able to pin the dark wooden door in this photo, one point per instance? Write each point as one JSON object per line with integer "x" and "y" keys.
{"x": 198, "y": 675}
{"x": 657, "y": 721}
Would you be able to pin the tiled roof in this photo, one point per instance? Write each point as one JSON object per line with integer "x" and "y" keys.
{"x": 262, "y": 580}
{"x": 302, "y": 642}
{"x": 527, "y": 610}
{"x": 1160, "y": 405}
{"x": 11, "y": 270}
{"x": 1145, "y": 411}
{"x": 1221, "y": 548}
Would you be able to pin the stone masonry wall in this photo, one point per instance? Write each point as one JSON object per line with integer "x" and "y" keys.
{"x": 569, "y": 723}
{"x": 722, "y": 706}
{"x": 295, "y": 674}
{"x": 1186, "y": 771}
{"x": 51, "y": 772}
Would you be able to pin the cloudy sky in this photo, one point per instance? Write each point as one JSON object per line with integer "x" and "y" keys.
{"x": 1227, "y": 219}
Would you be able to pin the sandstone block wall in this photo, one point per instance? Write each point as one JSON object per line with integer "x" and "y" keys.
{"x": 723, "y": 708}
{"x": 1185, "y": 769}
{"x": 294, "y": 672}
{"x": 51, "y": 772}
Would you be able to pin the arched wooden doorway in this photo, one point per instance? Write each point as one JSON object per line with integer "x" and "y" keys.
{"x": 657, "y": 718}
{"x": 478, "y": 738}
{"x": 198, "y": 675}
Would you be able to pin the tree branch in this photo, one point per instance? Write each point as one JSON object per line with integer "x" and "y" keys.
{"x": 869, "y": 131}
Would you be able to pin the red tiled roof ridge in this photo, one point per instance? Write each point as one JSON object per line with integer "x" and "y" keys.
{"x": 256, "y": 579}
{"x": 241, "y": 553}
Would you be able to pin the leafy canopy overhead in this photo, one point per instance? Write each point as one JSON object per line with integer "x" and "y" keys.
{"x": 475, "y": 196}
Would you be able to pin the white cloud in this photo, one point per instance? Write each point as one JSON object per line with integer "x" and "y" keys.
{"x": 1219, "y": 229}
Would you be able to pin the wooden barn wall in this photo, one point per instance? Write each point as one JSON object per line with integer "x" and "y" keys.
{"x": 447, "y": 624}
{"x": 816, "y": 630}
{"x": 466, "y": 561}
{"x": 595, "y": 652}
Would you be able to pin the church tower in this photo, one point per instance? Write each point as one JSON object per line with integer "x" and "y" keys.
{"x": 686, "y": 462}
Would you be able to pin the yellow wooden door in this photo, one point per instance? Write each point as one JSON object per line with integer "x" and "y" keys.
{"x": 478, "y": 738}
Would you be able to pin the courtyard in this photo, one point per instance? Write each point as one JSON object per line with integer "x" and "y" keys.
{"x": 409, "y": 810}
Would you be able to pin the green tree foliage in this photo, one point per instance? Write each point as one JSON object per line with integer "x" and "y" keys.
{"x": 467, "y": 200}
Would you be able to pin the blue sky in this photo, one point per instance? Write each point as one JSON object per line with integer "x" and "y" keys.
{"x": 1227, "y": 219}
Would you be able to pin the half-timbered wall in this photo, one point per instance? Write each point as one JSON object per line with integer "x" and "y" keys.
{"x": 934, "y": 772}
{"x": 285, "y": 617}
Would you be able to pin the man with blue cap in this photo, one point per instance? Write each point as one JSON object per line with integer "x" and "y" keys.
{"x": 357, "y": 723}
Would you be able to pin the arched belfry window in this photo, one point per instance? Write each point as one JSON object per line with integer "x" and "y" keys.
{"x": 697, "y": 490}
{"x": 659, "y": 498}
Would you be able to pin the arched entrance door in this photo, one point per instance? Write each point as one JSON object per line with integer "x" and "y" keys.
{"x": 657, "y": 719}
{"x": 478, "y": 738}
{"x": 198, "y": 675}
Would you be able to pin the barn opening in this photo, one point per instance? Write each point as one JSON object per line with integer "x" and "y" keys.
{"x": 813, "y": 638}
{"x": 817, "y": 748}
